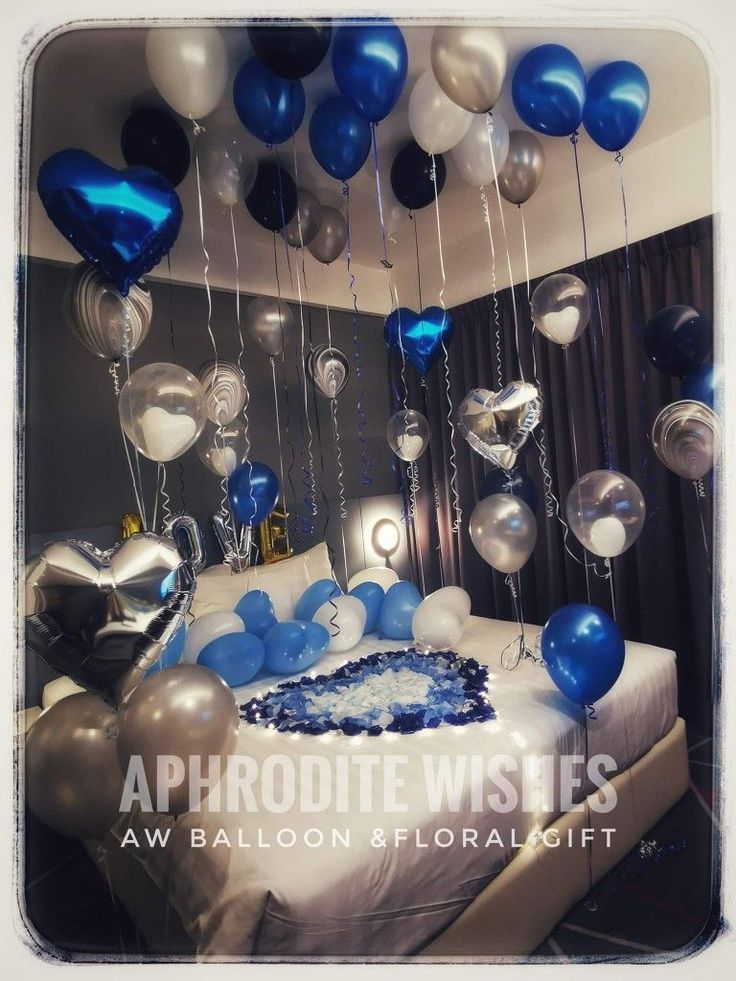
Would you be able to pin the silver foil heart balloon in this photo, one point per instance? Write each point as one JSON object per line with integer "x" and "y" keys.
{"x": 497, "y": 424}
{"x": 104, "y": 618}
{"x": 329, "y": 369}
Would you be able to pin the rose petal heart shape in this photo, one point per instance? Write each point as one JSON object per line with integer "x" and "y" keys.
{"x": 497, "y": 424}
{"x": 329, "y": 369}
{"x": 122, "y": 221}
{"x": 419, "y": 337}
{"x": 103, "y": 618}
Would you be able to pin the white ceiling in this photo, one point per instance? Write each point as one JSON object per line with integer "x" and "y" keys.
{"x": 87, "y": 80}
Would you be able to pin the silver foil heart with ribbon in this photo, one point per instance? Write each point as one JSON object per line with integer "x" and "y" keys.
{"x": 498, "y": 424}
{"x": 329, "y": 369}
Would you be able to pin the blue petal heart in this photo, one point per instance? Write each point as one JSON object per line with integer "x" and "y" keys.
{"x": 421, "y": 335}
{"x": 122, "y": 221}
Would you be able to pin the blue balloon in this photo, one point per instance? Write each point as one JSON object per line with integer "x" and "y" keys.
{"x": 677, "y": 339}
{"x": 294, "y": 645}
{"x": 701, "y": 385}
{"x": 171, "y": 654}
{"x": 516, "y": 482}
{"x": 253, "y": 489}
{"x": 548, "y": 90}
{"x": 340, "y": 138}
{"x": 271, "y": 108}
{"x": 616, "y": 103}
{"x": 397, "y": 610}
{"x": 371, "y": 595}
{"x": 122, "y": 221}
{"x": 369, "y": 62}
{"x": 420, "y": 335}
{"x": 583, "y": 650}
{"x": 256, "y": 610}
{"x": 235, "y": 657}
{"x": 315, "y": 596}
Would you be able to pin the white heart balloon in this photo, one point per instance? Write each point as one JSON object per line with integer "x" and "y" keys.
{"x": 166, "y": 436}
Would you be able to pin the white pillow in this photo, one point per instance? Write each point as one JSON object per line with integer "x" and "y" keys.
{"x": 219, "y": 588}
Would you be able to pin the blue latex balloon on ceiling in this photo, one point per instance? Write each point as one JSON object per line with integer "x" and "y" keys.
{"x": 701, "y": 385}
{"x": 271, "y": 108}
{"x": 583, "y": 650}
{"x": 397, "y": 610}
{"x": 294, "y": 646}
{"x": 369, "y": 62}
{"x": 237, "y": 658}
{"x": 314, "y": 596}
{"x": 616, "y": 103}
{"x": 122, "y": 221}
{"x": 419, "y": 337}
{"x": 253, "y": 489}
{"x": 371, "y": 595}
{"x": 340, "y": 138}
{"x": 256, "y": 611}
{"x": 516, "y": 482}
{"x": 548, "y": 90}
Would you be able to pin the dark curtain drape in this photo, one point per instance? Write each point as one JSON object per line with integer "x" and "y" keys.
{"x": 609, "y": 391}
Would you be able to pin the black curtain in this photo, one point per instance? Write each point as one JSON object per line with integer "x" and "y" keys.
{"x": 606, "y": 388}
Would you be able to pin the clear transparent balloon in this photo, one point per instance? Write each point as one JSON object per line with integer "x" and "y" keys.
{"x": 222, "y": 448}
{"x": 407, "y": 433}
{"x": 162, "y": 410}
{"x": 561, "y": 308}
{"x": 606, "y": 512}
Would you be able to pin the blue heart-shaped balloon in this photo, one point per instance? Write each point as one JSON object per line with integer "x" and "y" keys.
{"x": 421, "y": 335}
{"x": 122, "y": 221}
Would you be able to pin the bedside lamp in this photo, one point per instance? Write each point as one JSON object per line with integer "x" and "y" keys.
{"x": 385, "y": 539}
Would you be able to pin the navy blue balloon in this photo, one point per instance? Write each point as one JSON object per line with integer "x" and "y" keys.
{"x": 616, "y": 103}
{"x": 253, "y": 489}
{"x": 270, "y": 107}
{"x": 548, "y": 90}
{"x": 411, "y": 176}
{"x": 397, "y": 610}
{"x": 314, "y": 596}
{"x": 291, "y": 50}
{"x": 171, "y": 654}
{"x": 256, "y": 611}
{"x": 154, "y": 138}
{"x": 677, "y": 339}
{"x": 272, "y": 199}
{"x": 235, "y": 657}
{"x": 122, "y": 221}
{"x": 294, "y": 646}
{"x": 701, "y": 385}
{"x": 371, "y": 595}
{"x": 339, "y": 137}
{"x": 369, "y": 62}
{"x": 420, "y": 336}
{"x": 516, "y": 482}
{"x": 583, "y": 650}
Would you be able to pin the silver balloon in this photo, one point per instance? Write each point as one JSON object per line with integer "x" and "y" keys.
{"x": 308, "y": 215}
{"x": 269, "y": 320}
{"x": 561, "y": 308}
{"x": 469, "y": 62}
{"x": 162, "y": 410}
{"x": 606, "y": 512}
{"x": 329, "y": 369}
{"x": 183, "y": 711}
{"x": 73, "y": 782}
{"x": 224, "y": 388}
{"x": 436, "y": 122}
{"x": 687, "y": 438}
{"x": 472, "y": 155}
{"x": 520, "y": 175}
{"x": 504, "y": 531}
{"x": 184, "y": 530}
{"x": 112, "y": 326}
{"x": 103, "y": 618}
{"x": 497, "y": 424}
{"x": 331, "y": 238}
{"x": 236, "y": 554}
{"x": 228, "y": 173}
{"x": 407, "y": 433}
{"x": 222, "y": 448}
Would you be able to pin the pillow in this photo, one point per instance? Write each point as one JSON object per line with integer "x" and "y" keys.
{"x": 219, "y": 588}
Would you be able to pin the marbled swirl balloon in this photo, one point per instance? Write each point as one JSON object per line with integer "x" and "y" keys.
{"x": 686, "y": 437}
{"x": 329, "y": 369}
{"x": 224, "y": 387}
{"x": 109, "y": 324}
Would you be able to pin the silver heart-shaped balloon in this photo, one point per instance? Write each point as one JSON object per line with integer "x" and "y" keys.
{"x": 103, "y": 618}
{"x": 497, "y": 424}
{"x": 329, "y": 369}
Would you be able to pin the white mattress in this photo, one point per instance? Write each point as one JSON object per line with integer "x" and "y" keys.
{"x": 372, "y": 902}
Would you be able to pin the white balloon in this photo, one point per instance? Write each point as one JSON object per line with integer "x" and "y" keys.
{"x": 166, "y": 435}
{"x": 437, "y": 123}
{"x": 188, "y": 65}
{"x": 436, "y": 627}
{"x": 57, "y": 689}
{"x": 608, "y": 536}
{"x": 209, "y": 627}
{"x": 472, "y": 155}
{"x": 379, "y": 574}
{"x": 345, "y": 624}
{"x": 454, "y": 598}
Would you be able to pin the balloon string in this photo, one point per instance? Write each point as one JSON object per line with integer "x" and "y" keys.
{"x": 155, "y": 500}
{"x": 576, "y": 466}
{"x": 699, "y": 488}
{"x": 198, "y": 130}
{"x": 225, "y": 504}
{"x": 414, "y": 489}
{"x": 365, "y": 459}
{"x": 412, "y": 218}
{"x": 435, "y": 488}
{"x": 620, "y": 161}
{"x": 172, "y": 338}
{"x": 287, "y": 403}
{"x": 343, "y": 512}
{"x": 516, "y": 649}
{"x": 453, "y": 451}
{"x": 113, "y": 371}
{"x": 241, "y": 353}
{"x": 136, "y": 455}
{"x": 166, "y": 514}
{"x": 494, "y": 290}
{"x": 280, "y": 448}
{"x": 138, "y": 502}
{"x": 379, "y": 198}
{"x": 489, "y": 128}
{"x": 283, "y": 216}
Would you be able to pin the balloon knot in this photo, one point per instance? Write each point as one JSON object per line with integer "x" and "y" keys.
{"x": 386, "y": 264}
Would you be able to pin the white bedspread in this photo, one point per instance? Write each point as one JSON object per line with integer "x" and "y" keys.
{"x": 390, "y": 901}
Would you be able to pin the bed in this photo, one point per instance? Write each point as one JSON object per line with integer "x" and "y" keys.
{"x": 419, "y": 896}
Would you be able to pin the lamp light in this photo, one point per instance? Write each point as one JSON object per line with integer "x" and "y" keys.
{"x": 385, "y": 538}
